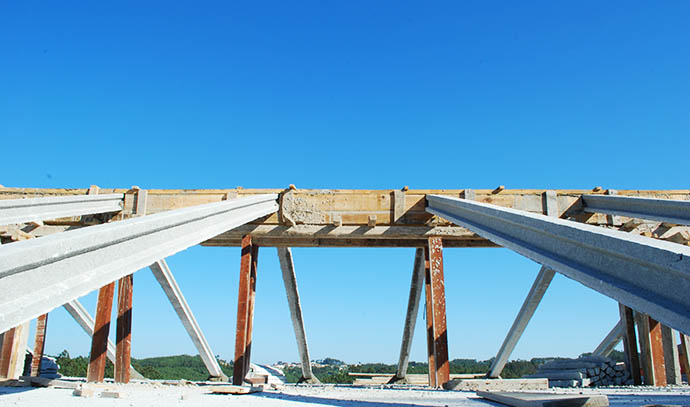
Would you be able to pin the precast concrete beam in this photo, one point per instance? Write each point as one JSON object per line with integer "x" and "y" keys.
{"x": 664, "y": 210}
{"x": 172, "y": 290}
{"x": 609, "y": 342}
{"x": 86, "y": 322}
{"x": 287, "y": 268}
{"x": 40, "y": 209}
{"x": 38, "y": 275}
{"x": 648, "y": 275}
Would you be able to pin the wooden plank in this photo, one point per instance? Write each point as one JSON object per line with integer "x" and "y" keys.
{"x": 6, "y": 352}
{"x": 239, "y": 367}
{"x": 657, "y": 351}
{"x": 439, "y": 374}
{"x": 39, "y": 344}
{"x": 632, "y": 358}
{"x": 99, "y": 341}
{"x": 234, "y": 389}
{"x": 519, "y": 399}
{"x": 123, "y": 344}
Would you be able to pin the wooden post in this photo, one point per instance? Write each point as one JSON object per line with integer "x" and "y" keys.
{"x": 685, "y": 355}
{"x": 657, "y": 347}
{"x": 251, "y": 298}
{"x": 39, "y": 344}
{"x": 99, "y": 341}
{"x": 437, "y": 336}
{"x": 243, "y": 304}
{"x": 6, "y": 353}
{"x": 632, "y": 358}
{"x": 123, "y": 341}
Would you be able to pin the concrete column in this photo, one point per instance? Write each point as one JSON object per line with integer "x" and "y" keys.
{"x": 610, "y": 341}
{"x": 290, "y": 280}
{"x": 411, "y": 317}
{"x": 534, "y": 297}
{"x": 99, "y": 341}
{"x": 172, "y": 290}
{"x": 123, "y": 343}
{"x": 671, "y": 357}
{"x": 39, "y": 344}
{"x": 439, "y": 367}
{"x": 632, "y": 357}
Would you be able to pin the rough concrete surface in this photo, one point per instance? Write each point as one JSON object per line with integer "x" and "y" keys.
{"x": 156, "y": 394}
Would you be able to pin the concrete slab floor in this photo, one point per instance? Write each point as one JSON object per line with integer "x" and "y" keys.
{"x": 156, "y": 394}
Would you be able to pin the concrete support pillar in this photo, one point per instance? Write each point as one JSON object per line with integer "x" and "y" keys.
{"x": 534, "y": 297}
{"x": 123, "y": 341}
{"x": 99, "y": 341}
{"x": 290, "y": 280}
{"x": 437, "y": 335}
{"x": 39, "y": 344}
{"x": 172, "y": 290}
{"x": 610, "y": 341}
{"x": 671, "y": 357}
{"x": 245, "y": 309}
{"x": 416, "y": 285}
{"x": 632, "y": 358}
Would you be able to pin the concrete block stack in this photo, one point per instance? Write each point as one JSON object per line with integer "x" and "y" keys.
{"x": 586, "y": 371}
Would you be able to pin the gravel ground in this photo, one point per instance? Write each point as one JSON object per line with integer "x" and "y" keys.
{"x": 156, "y": 394}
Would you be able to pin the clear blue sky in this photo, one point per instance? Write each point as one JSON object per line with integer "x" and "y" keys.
{"x": 348, "y": 95}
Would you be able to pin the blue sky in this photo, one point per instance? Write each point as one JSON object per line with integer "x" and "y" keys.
{"x": 348, "y": 95}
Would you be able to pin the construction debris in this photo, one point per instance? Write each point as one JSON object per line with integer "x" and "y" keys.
{"x": 232, "y": 389}
{"x": 587, "y": 371}
{"x": 497, "y": 384}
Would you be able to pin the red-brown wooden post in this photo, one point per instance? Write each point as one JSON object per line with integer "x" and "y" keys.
{"x": 123, "y": 347}
{"x": 251, "y": 298}
{"x": 39, "y": 344}
{"x": 657, "y": 350}
{"x": 99, "y": 341}
{"x": 630, "y": 343}
{"x": 240, "y": 363}
{"x": 437, "y": 335}
{"x": 430, "y": 343}
{"x": 6, "y": 352}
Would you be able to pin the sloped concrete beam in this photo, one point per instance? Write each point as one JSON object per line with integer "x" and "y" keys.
{"x": 664, "y": 210}
{"x": 38, "y": 275}
{"x": 611, "y": 262}
{"x": 612, "y": 339}
{"x": 39, "y": 209}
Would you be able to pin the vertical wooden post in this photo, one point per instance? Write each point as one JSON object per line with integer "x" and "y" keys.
{"x": 251, "y": 298}
{"x": 430, "y": 343}
{"x": 685, "y": 355}
{"x": 123, "y": 344}
{"x": 39, "y": 344}
{"x": 6, "y": 353}
{"x": 240, "y": 363}
{"x": 632, "y": 358}
{"x": 99, "y": 341}
{"x": 657, "y": 351}
{"x": 437, "y": 335}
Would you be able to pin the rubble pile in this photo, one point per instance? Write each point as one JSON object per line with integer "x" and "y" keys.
{"x": 586, "y": 371}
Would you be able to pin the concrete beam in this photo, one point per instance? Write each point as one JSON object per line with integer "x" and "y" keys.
{"x": 632, "y": 356}
{"x": 411, "y": 316}
{"x": 287, "y": 268}
{"x": 611, "y": 262}
{"x": 664, "y": 210}
{"x": 86, "y": 322}
{"x": 40, "y": 209}
{"x": 172, "y": 290}
{"x": 612, "y": 339}
{"x": 38, "y": 275}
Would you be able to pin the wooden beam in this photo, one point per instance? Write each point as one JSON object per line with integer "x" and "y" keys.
{"x": 251, "y": 298}
{"x": 39, "y": 344}
{"x": 99, "y": 341}
{"x": 632, "y": 358}
{"x": 123, "y": 341}
{"x": 6, "y": 352}
{"x": 240, "y": 364}
{"x": 430, "y": 343}
{"x": 439, "y": 370}
{"x": 657, "y": 351}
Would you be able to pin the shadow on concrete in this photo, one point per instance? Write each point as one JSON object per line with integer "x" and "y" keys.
{"x": 4, "y": 391}
{"x": 349, "y": 402}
